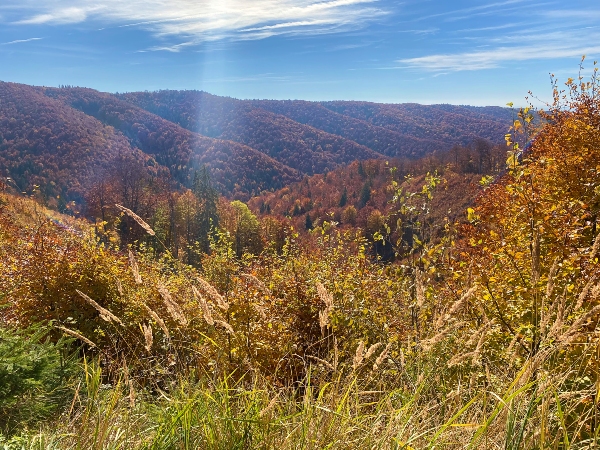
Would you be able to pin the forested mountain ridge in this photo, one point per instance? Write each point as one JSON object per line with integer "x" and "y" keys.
{"x": 393, "y": 130}
{"x": 305, "y": 148}
{"x": 47, "y": 144}
{"x": 452, "y": 124}
{"x": 64, "y": 139}
{"x": 399, "y": 130}
{"x": 237, "y": 169}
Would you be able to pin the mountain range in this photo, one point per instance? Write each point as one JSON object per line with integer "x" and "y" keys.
{"x": 60, "y": 140}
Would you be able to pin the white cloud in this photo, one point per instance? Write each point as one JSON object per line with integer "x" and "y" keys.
{"x": 490, "y": 59}
{"x": 200, "y": 20}
{"x": 580, "y": 14}
{"x": 19, "y": 41}
{"x": 490, "y": 8}
{"x": 539, "y": 41}
{"x": 58, "y": 16}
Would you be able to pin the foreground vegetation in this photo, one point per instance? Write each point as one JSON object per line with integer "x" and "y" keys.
{"x": 484, "y": 338}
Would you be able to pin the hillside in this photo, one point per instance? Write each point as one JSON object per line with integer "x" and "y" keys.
{"x": 403, "y": 130}
{"x": 47, "y": 144}
{"x": 351, "y": 194}
{"x": 307, "y": 149}
{"x": 452, "y": 125}
{"x": 237, "y": 170}
{"x": 249, "y": 146}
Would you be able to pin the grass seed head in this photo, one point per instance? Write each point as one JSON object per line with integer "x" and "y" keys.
{"x": 595, "y": 248}
{"x": 359, "y": 356}
{"x": 322, "y": 361}
{"x": 383, "y": 355}
{"x": 327, "y": 298}
{"x": 225, "y": 325}
{"x": 172, "y": 307}
{"x": 134, "y": 268}
{"x": 204, "y": 306}
{"x": 77, "y": 335}
{"x": 267, "y": 410}
{"x": 105, "y": 314}
{"x": 148, "y": 336}
{"x": 252, "y": 279}
{"x": 210, "y": 290}
{"x": 158, "y": 320}
{"x": 137, "y": 218}
{"x": 372, "y": 349}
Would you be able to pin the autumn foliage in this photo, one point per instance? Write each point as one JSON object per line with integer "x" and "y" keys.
{"x": 285, "y": 321}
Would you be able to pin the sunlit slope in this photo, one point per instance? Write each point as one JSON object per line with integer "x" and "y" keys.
{"x": 238, "y": 170}
{"x": 403, "y": 130}
{"x": 450, "y": 124}
{"x": 352, "y": 194}
{"x": 45, "y": 143}
{"x": 303, "y": 147}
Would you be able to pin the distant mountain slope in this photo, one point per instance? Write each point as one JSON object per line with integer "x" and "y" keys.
{"x": 351, "y": 194}
{"x": 237, "y": 169}
{"x": 393, "y": 130}
{"x": 60, "y": 139}
{"x": 380, "y": 139}
{"x": 452, "y": 125}
{"x": 302, "y": 147}
{"x": 305, "y": 148}
{"x": 45, "y": 143}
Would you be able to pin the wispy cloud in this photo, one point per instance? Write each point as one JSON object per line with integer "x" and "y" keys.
{"x": 350, "y": 46}
{"x": 553, "y": 34}
{"x": 57, "y": 16}
{"x": 430, "y": 30}
{"x": 169, "y": 48}
{"x": 493, "y": 58}
{"x": 494, "y": 28}
{"x": 19, "y": 41}
{"x": 203, "y": 20}
{"x": 581, "y": 14}
{"x": 489, "y": 8}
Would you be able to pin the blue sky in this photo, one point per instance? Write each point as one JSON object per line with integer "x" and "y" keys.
{"x": 425, "y": 51}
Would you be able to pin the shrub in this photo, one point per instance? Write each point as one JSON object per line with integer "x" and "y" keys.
{"x": 35, "y": 375}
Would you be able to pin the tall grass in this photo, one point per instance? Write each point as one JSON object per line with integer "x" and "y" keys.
{"x": 449, "y": 386}
{"x": 531, "y": 410}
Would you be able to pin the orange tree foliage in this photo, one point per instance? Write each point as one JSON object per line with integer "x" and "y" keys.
{"x": 239, "y": 314}
{"x": 356, "y": 194}
{"x": 531, "y": 249}
{"x": 236, "y": 169}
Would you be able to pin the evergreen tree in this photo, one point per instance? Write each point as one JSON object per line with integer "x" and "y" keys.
{"x": 361, "y": 170}
{"x": 297, "y": 210}
{"x": 208, "y": 217}
{"x": 35, "y": 375}
{"x": 365, "y": 194}
{"x": 343, "y": 198}
{"x": 308, "y": 224}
